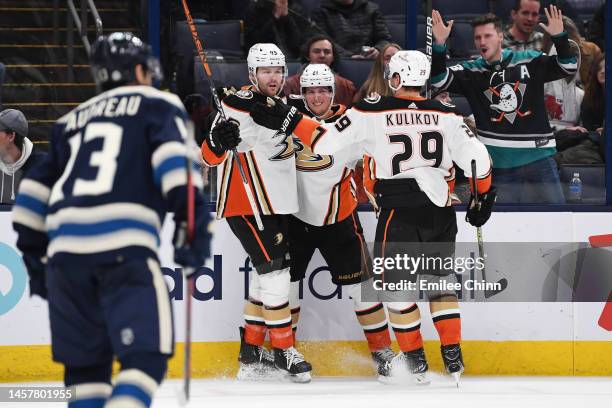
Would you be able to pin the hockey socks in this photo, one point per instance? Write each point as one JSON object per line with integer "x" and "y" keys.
{"x": 278, "y": 321}
{"x": 133, "y": 389}
{"x": 374, "y": 323}
{"x": 447, "y": 319}
{"x": 255, "y": 324}
{"x": 90, "y": 395}
{"x": 405, "y": 320}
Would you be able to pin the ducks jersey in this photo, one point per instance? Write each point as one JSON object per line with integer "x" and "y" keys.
{"x": 267, "y": 157}
{"x": 326, "y": 189}
{"x": 407, "y": 138}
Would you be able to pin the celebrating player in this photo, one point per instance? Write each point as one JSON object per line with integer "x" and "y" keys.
{"x": 414, "y": 142}
{"x": 328, "y": 220}
{"x": 268, "y": 158}
{"x": 94, "y": 209}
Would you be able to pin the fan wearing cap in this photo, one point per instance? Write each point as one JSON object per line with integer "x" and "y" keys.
{"x": 17, "y": 154}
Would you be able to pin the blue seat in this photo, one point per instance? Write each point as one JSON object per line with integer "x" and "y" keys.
{"x": 224, "y": 36}
{"x": 391, "y": 7}
{"x": 461, "y": 7}
{"x": 593, "y": 177}
{"x": 354, "y": 70}
{"x": 462, "y": 40}
{"x": 397, "y": 30}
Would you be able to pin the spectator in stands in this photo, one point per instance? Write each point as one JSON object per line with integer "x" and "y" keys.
{"x": 320, "y": 49}
{"x": 376, "y": 82}
{"x": 521, "y": 34}
{"x": 353, "y": 24}
{"x": 593, "y": 107}
{"x": 281, "y": 22}
{"x": 589, "y": 52}
{"x": 597, "y": 28}
{"x": 2, "y": 68}
{"x": 17, "y": 153}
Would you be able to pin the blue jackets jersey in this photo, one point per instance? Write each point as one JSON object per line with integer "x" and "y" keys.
{"x": 117, "y": 163}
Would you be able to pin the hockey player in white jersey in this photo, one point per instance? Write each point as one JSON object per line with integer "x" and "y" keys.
{"x": 328, "y": 218}
{"x": 268, "y": 159}
{"x": 413, "y": 142}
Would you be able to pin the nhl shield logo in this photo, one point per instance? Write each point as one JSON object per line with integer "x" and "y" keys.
{"x": 506, "y": 99}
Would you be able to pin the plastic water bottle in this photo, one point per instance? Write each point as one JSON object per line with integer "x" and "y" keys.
{"x": 575, "y": 189}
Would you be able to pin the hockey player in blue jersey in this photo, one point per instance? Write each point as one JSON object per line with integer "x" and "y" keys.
{"x": 93, "y": 210}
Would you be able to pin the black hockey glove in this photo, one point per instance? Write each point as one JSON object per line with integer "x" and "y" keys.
{"x": 36, "y": 272}
{"x": 478, "y": 215}
{"x": 223, "y": 137}
{"x": 192, "y": 255}
{"x": 276, "y": 115}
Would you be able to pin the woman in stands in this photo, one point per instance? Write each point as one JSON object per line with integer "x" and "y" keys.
{"x": 376, "y": 81}
{"x": 593, "y": 105}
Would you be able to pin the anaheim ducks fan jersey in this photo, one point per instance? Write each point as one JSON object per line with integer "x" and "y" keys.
{"x": 406, "y": 138}
{"x": 267, "y": 157}
{"x": 325, "y": 183}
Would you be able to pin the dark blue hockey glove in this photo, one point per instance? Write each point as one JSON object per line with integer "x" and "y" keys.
{"x": 192, "y": 255}
{"x": 36, "y": 271}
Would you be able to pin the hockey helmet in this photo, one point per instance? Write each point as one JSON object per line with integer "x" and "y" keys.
{"x": 265, "y": 55}
{"x": 317, "y": 75}
{"x": 413, "y": 67}
{"x": 114, "y": 57}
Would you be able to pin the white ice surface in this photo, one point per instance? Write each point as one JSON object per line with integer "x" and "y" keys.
{"x": 474, "y": 392}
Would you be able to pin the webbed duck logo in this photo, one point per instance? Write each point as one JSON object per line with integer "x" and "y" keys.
{"x": 506, "y": 99}
{"x": 306, "y": 160}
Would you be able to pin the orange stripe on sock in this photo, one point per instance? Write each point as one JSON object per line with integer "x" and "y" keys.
{"x": 281, "y": 337}
{"x": 409, "y": 341}
{"x": 378, "y": 340}
{"x": 449, "y": 331}
{"x": 254, "y": 334}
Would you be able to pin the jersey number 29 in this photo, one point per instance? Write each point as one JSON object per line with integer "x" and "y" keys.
{"x": 430, "y": 149}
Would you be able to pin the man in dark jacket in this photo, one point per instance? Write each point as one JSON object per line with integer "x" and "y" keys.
{"x": 281, "y": 22}
{"x": 17, "y": 154}
{"x": 353, "y": 24}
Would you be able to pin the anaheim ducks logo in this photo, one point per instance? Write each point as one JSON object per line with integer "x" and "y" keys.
{"x": 288, "y": 150}
{"x": 306, "y": 160}
{"x": 507, "y": 98}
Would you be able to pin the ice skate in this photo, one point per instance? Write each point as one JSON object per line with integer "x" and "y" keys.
{"x": 453, "y": 361}
{"x": 417, "y": 364}
{"x": 256, "y": 363}
{"x": 383, "y": 359}
{"x": 292, "y": 363}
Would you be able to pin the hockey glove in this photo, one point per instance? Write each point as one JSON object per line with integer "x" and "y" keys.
{"x": 276, "y": 115}
{"x": 192, "y": 255}
{"x": 36, "y": 272}
{"x": 223, "y": 137}
{"x": 478, "y": 214}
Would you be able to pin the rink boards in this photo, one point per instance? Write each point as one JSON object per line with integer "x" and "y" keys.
{"x": 526, "y": 338}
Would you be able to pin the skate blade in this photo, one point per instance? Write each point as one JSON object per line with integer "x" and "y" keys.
{"x": 258, "y": 372}
{"x": 422, "y": 379}
{"x": 301, "y": 378}
{"x": 456, "y": 377}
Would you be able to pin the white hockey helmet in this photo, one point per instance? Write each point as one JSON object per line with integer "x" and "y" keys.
{"x": 315, "y": 75}
{"x": 265, "y": 55}
{"x": 413, "y": 67}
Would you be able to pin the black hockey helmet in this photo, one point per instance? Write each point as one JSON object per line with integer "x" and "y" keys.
{"x": 113, "y": 58}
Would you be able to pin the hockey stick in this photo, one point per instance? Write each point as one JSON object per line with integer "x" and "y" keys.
{"x": 217, "y": 102}
{"x": 503, "y": 282}
{"x": 429, "y": 44}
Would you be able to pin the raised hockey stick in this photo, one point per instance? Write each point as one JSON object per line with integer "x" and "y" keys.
{"x": 217, "y": 102}
{"x": 503, "y": 282}
{"x": 429, "y": 43}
